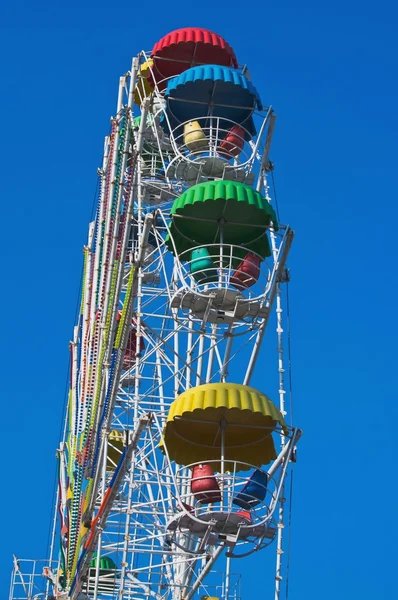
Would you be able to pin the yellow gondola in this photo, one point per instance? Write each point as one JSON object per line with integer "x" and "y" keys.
{"x": 194, "y": 137}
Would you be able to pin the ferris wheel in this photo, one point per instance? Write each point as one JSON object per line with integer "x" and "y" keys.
{"x": 172, "y": 465}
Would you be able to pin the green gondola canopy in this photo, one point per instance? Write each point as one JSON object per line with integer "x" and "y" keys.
{"x": 215, "y": 210}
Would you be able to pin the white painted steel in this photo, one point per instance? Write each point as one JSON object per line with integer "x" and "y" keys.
{"x": 184, "y": 345}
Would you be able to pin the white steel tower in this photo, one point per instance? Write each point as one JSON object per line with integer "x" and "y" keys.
{"x": 171, "y": 464}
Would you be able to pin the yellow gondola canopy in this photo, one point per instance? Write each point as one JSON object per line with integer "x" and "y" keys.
{"x": 247, "y": 416}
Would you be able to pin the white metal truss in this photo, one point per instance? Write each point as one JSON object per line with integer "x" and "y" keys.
{"x": 136, "y": 503}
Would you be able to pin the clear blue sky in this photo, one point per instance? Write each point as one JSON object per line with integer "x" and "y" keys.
{"x": 330, "y": 71}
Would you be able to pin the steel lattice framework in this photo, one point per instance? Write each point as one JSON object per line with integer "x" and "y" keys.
{"x": 148, "y": 331}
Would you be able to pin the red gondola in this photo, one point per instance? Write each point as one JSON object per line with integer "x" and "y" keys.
{"x": 232, "y": 144}
{"x": 204, "y": 485}
{"x": 247, "y": 272}
{"x": 246, "y": 516}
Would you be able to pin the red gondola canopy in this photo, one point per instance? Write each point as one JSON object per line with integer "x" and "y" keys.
{"x": 188, "y": 47}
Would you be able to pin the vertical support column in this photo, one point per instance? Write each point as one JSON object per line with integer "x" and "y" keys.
{"x": 282, "y": 392}
{"x": 124, "y": 562}
{"x": 53, "y": 533}
{"x": 189, "y": 356}
{"x": 227, "y": 355}
{"x": 227, "y": 576}
{"x": 213, "y": 341}
{"x": 99, "y": 546}
{"x": 140, "y": 221}
{"x": 200, "y": 359}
